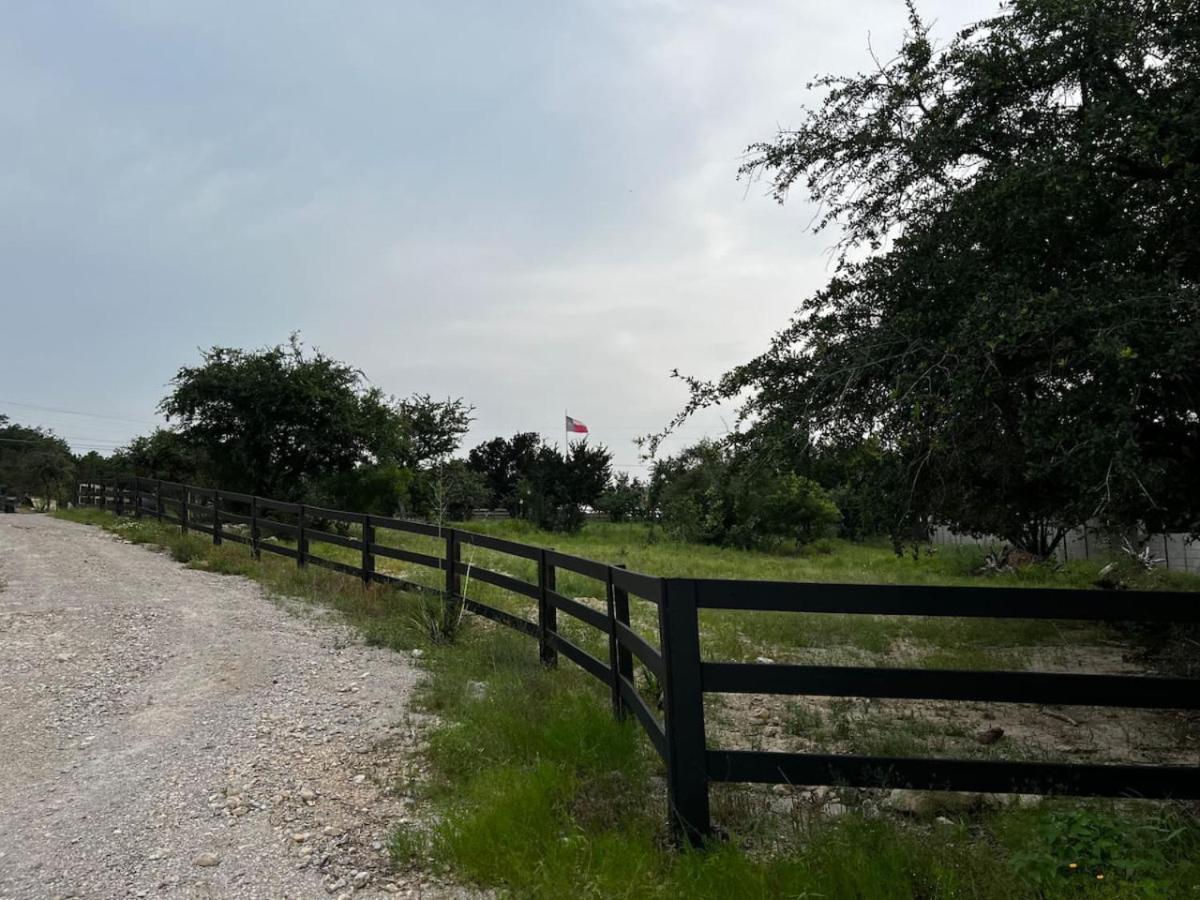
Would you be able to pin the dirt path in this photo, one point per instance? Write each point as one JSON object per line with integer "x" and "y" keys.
{"x": 166, "y": 732}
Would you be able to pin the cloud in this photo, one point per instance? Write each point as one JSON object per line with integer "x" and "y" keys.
{"x": 532, "y": 205}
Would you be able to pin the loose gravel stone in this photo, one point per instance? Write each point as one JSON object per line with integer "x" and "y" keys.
{"x": 146, "y": 706}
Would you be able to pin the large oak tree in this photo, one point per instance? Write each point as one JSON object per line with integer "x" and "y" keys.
{"x": 283, "y": 423}
{"x": 1015, "y": 309}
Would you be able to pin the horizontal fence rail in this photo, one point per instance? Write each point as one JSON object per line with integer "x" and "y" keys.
{"x": 676, "y": 728}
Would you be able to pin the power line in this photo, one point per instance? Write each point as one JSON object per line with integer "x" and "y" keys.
{"x": 77, "y": 412}
{"x": 85, "y": 445}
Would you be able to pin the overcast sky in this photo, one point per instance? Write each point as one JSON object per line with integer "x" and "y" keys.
{"x": 529, "y": 205}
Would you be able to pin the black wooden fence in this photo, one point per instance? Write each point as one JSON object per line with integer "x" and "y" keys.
{"x": 679, "y": 736}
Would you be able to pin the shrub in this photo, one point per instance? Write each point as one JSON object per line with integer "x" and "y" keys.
{"x": 624, "y": 500}
{"x": 379, "y": 489}
{"x": 710, "y": 494}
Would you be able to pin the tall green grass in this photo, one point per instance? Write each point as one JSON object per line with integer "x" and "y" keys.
{"x": 532, "y": 789}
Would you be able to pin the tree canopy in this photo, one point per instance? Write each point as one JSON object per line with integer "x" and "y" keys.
{"x": 162, "y": 454}
{"x": 538, "y": 482}
{"x": 717, "y": 493}
{"x": 35, "y": 462}
{"x": 1014, "y": 312}
{"x": 503, "y": 462}
{"x": 284, "y": 423}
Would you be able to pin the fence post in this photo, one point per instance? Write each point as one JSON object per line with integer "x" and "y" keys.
{"x": 368, "y": 558}
{"x": 620, "y": 660}
{"x": 301, "y": 539}
{"x": 216, "y": 517}
{"x": 683, "y": 708}
{"x": 183, "y": 508}
{"x": 158, "y": 499}
{"x": 453, "y": 583}
{"x": 547, "y": 612}
{"x": 254, "y": 547}
{"x": 453, "y": 552}
{"x": 137, "y": 497}
{"x": 119, "y": 496}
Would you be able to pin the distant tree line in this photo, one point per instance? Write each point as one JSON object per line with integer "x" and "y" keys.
{"x": 295, "y": 425}
{"x": 35, "y": 465}
{"x": 300, "y": 426}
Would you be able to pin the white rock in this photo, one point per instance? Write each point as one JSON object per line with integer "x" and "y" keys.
{"x": 476, "y": 690}
{"x": 206, "y": 860}
{"x": 904, "y": 801}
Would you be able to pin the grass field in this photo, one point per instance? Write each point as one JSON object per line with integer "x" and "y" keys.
{"x": 567, "y": 803}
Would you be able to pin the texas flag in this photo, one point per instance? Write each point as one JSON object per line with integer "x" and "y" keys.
{"x": 574, "y": 426}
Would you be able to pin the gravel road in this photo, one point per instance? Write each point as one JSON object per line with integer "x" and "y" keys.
{"x": 166, "y": 732}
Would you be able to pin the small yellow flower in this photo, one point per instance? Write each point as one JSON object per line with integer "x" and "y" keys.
{"x": 1073, "y": 865}
{"x": 1100, "y": 877}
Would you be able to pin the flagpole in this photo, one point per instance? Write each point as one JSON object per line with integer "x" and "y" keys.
{"x": 564, "y": 434}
